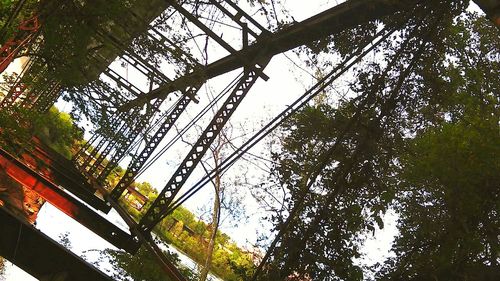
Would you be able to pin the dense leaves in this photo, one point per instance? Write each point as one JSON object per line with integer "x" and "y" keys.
{"x": 53, "y": 127}
{"x": 185, "y": 232}
{"x": 11, "y": 17}
{"x": 421, "y": 136}
{"x": 448, "y": 202}
{"x": 448, "y": 197}
{"x": 141, "y": 266}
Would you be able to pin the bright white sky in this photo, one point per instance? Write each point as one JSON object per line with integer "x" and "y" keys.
{"x": 265, "y": 100}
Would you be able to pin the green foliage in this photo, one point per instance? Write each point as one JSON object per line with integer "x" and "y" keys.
{"x": 54, "y": 128}
{"x": 6, "y": 9}
{"x": 448, "y": 196}
{"x": 324, "y": 237}
{"x": 141, "y": 266}
{"x": 448, "y": 203}
{"x": 16, "y": 127}
{"x": 229, "y": 261}
{"x": 421, "y": 136}
{"x": 69, "y": 37}
{"x": 57, "y": 129}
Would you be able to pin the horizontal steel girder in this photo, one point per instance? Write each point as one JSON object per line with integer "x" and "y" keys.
{"x": 62, "y": 172}
{"x": 68, "y": 204}
{"x": 332, "y": 21}
{"x": 39, "y": 255}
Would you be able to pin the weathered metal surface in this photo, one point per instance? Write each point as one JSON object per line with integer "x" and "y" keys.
{"x": 341, "y": 17}
{"x": 26, "y": 32}
{"x": 62, "y": 172}
{"x": 160, "y": 207}
{"x": 68, "y": 204}
{"x": 39, "y": 255}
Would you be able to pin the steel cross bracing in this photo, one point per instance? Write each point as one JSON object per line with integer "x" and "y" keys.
{"x": 17, "y": 88}
{"x": 122, "y": 121}
{"x": 122, "y": 150}
{"x": 139, "y": 160}
{"x": 122, "y": 142}
{"x": 337, "y": 19}
{"x": 26, "y": 32}
{"x": 334, "y": 20}
{"x": 157, "y": 210}
{"x": 160, "y": 39}
{"x": 22, "y": 92}
{"x": 14, "y": 93}
{"x": 156, "y": 139}
{"x": 83, "y": 155}
{"x": 119, "y": 132}
{"x": 124, "y": 137}
{"x": 46, "y": 98}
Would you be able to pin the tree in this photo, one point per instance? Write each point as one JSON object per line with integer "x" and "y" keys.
{"x": 57, "y": 129}
{"x": 141, "y": 266}
{"x": 10, "y": 16}
{"x": 448, "y": 201}
{"x": 54, "y": 128}
{"x": 341, "y": 166}
{"x": 216, "y": 151}
{"x": 448, "y": 197}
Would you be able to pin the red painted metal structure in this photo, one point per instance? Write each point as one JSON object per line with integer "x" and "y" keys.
{"x": 26, "y": 32}
{"x": 40, "y": 178}
{"x": 44, "y": 171}
{"x": 62, "y": 171}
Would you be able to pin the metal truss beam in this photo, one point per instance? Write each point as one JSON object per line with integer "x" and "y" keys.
{"x": 18, "y": 87}
{"x": 160, "y": 206}
{"x": 192, "y": 18}
{"x": 39, "y": 255}
{"x": 61, "y": 171}
{"x": 124, "y": 140}
{"x": 332, "y": 21}
{"x": 68, "y": 204}
{"x": 44, "y": 100}
{"x": 139, "y": 160}
{"x": 117, "y": 139}
{"x": 237, "y": 17}
{"x": 14, "y": 93}
{"x": 147, "y": 240}
{"x": 28, "y": 30}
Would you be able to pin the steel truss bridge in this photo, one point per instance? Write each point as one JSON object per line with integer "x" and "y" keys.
{"x": 132, "y": 118}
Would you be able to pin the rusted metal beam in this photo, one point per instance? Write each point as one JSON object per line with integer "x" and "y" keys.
{"x": 62, "y": 172}
{"x": 27, "y": 30}
{"x": 66, "y": 203}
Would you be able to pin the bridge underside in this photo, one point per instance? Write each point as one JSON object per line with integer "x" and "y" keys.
{"x": 36, "y": 172}
{"x": 71, "y": 185}
{"x": 39, "y": 255}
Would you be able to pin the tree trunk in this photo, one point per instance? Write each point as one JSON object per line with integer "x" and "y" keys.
{"x": 215, "y": 221}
